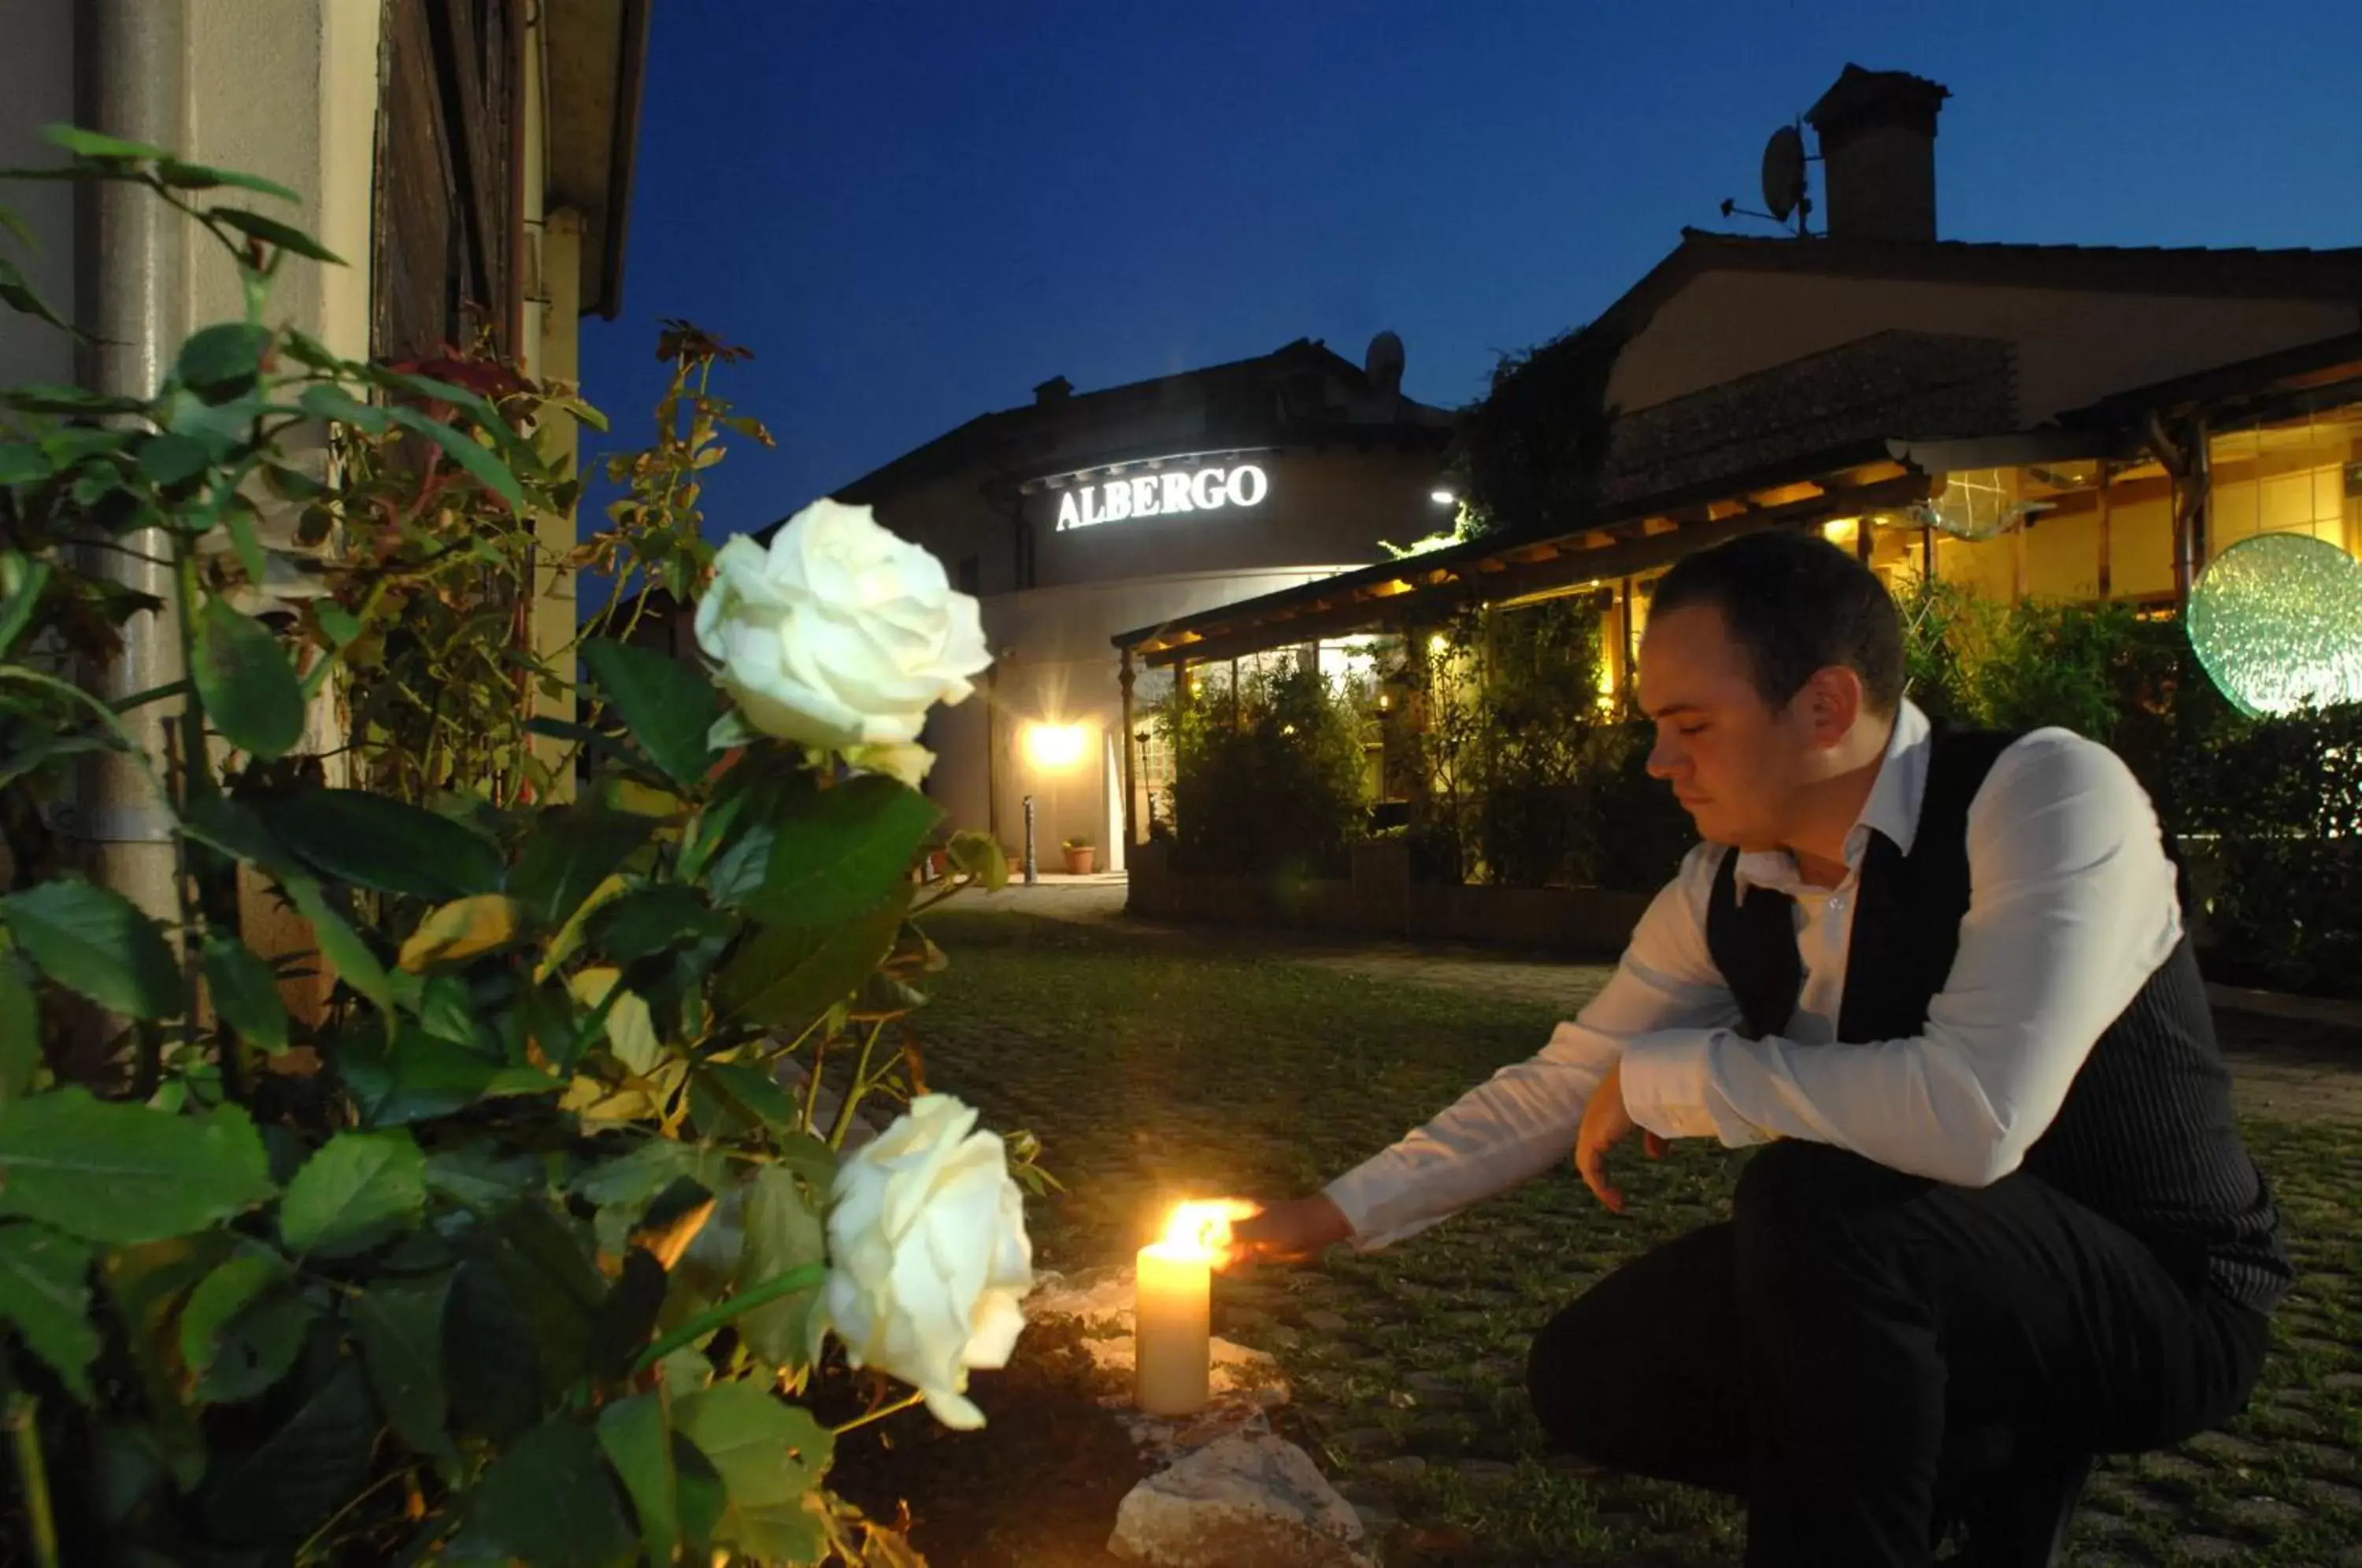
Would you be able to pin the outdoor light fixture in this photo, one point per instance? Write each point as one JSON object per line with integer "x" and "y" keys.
{"x": 1441, "y": 497}
{"x": 1438, "y": 645}
{"x": 1053, "y": 745}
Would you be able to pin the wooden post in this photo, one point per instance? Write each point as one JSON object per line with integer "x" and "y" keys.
{"x": 2107, "y": 541}
{"x": 1125, "y": 679}
{"x": 1631, "y": 675}
{"x": 1861, "y": 539}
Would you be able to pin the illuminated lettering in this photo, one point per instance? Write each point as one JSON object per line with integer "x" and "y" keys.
{"x": 1162, "y": 495}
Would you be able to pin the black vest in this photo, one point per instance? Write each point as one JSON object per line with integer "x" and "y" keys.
{"x": 2145, "y": 1136}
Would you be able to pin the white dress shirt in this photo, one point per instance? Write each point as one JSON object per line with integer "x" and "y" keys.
{"x": 2071, "y": 908}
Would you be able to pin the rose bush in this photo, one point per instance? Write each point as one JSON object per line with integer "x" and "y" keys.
{"x": 840, "y": 634}
{"x": 505, "y": 1242}
{"x": 928, "y": 1255}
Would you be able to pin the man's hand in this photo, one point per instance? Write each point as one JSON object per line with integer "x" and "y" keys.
{"x": 1607, "y": 1123}
{"x": 1295, "y": 1232}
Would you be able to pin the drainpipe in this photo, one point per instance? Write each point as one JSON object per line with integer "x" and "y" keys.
{"x": 131, "y": 299}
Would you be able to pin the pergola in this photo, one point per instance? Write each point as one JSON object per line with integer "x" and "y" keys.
{"x": 1865, "y": 478}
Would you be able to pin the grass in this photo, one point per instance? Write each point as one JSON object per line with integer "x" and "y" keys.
{"x": 1155, "y": 1067}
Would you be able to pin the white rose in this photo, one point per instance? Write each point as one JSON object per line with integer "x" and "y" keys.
{"x": 840, "y": 634}
{"x": 928, "y": 1256}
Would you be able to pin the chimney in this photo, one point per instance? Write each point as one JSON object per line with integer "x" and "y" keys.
{"x": 1058, "y": 389}
{"x": 1878, "y": 154}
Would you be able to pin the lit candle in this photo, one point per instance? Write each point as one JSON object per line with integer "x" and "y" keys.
{"x": 1173, "y": 1307}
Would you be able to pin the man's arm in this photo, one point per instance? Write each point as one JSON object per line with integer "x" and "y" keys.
{"x": 1522, "y": 1120}
{"x": 2071, "y": 908}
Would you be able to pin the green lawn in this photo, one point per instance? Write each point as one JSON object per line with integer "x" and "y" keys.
{"x": 1157, "y": 1067}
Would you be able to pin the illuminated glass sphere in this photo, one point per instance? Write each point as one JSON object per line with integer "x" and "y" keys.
{"x": 2276, "y": 621}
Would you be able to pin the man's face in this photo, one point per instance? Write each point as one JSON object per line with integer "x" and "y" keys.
{"x": 1737, "y": 765}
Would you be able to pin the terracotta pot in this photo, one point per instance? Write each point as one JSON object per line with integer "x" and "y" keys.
{"x": 1080, "y": 861}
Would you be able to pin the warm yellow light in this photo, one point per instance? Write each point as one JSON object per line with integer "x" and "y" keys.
{"x": 1203, "y": 1229}
{"x": 1053, "y": 745}
{"x": 1438, "y": 643}
{"x": 1841, "y": 530}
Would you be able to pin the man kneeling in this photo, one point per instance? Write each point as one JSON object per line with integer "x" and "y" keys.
{"x": 1943, "y": 975}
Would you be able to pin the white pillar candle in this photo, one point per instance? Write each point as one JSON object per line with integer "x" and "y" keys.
{"x": 1173, "y": 1323}
{"x": 1173, "y": 1307}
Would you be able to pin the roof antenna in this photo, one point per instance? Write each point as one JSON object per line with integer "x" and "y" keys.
{"x": 1783, "y": 182}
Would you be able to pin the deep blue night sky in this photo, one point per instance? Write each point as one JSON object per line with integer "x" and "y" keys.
{"x": 912, "y": 212}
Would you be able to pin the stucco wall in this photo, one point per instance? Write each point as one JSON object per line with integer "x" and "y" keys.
{"x": 1056, "y": 667}
{"x": 288, "y": 90}
{"x": 2074, "y": 347}
{"x": 36, "y": 74}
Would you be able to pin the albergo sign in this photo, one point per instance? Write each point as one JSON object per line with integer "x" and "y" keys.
{"x": 1162, "y": 495}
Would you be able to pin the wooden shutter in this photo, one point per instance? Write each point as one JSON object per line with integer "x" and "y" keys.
{"x": 448, "y": 215}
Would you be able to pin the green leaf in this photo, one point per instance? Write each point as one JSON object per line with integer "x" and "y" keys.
{"x": 667, "y": 706}
{"x": 45, "y": 1293}
{"x": 978, "y": 854}
{"x": 94, "y": 941}
{"x": 836, "y": 852}
{"x": 167, "y": 460}
{"x": 271, "y": 231}
{"x": 639, "y": 1442}
{"x": 245, "y": 993}
{"x": 96, "y": 144}
{"x": 544, "y": 1258}
{"x": 728, "y": 1101}
{"x": 16, "y": 291}
{"x": 358, "y": 1190}
{"x": 492, "y": 1359}
{"x": 569, "y": 853}
{"x": 647, "y": 1170}
{"x": 221, "y": 362}
{"x": 627, "y": 1316}
{"x": 20, "y": 1026}
{"x": 249, "y": 689}
{"x": 386, "y": 846}
{"x": 652, "y": 919}
{"x": 479, "y": 461}
{"x": 399, "y": 1326}
{"x": 785, "y": 976}
{"x": 549, "y": 1502}
{"x": 336, "y": 406}
{"x": 423, "y": 1077}
{"x": 338, "y": 943}
{"x": 122, "y": 1173}
{"x": 23, "y": 578}
{"x": 242, "y": 1329}
{"x": 238, "y": 521}
{"x": 147, "y": 1284}
{"x": 277, "y": 1494}
{"x": 770, "y": 1456}
{"x": 483, "y": 1176}
{"x": 234, "y": 828}
{"x": 200, "y": 177}
{"x": 783, "y": 1233}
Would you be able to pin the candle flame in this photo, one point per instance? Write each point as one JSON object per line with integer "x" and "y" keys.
{"x": 1205, "y": 1228}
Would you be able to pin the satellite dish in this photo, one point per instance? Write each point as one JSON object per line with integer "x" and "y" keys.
{"x": 1384, "y": 364}
{"x": 1784, "y": 172}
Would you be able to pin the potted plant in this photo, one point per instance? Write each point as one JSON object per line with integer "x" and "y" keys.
{"x": 1081, "y": 858}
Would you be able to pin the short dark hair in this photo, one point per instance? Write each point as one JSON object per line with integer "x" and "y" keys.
{"x": 1796, "y": 603}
